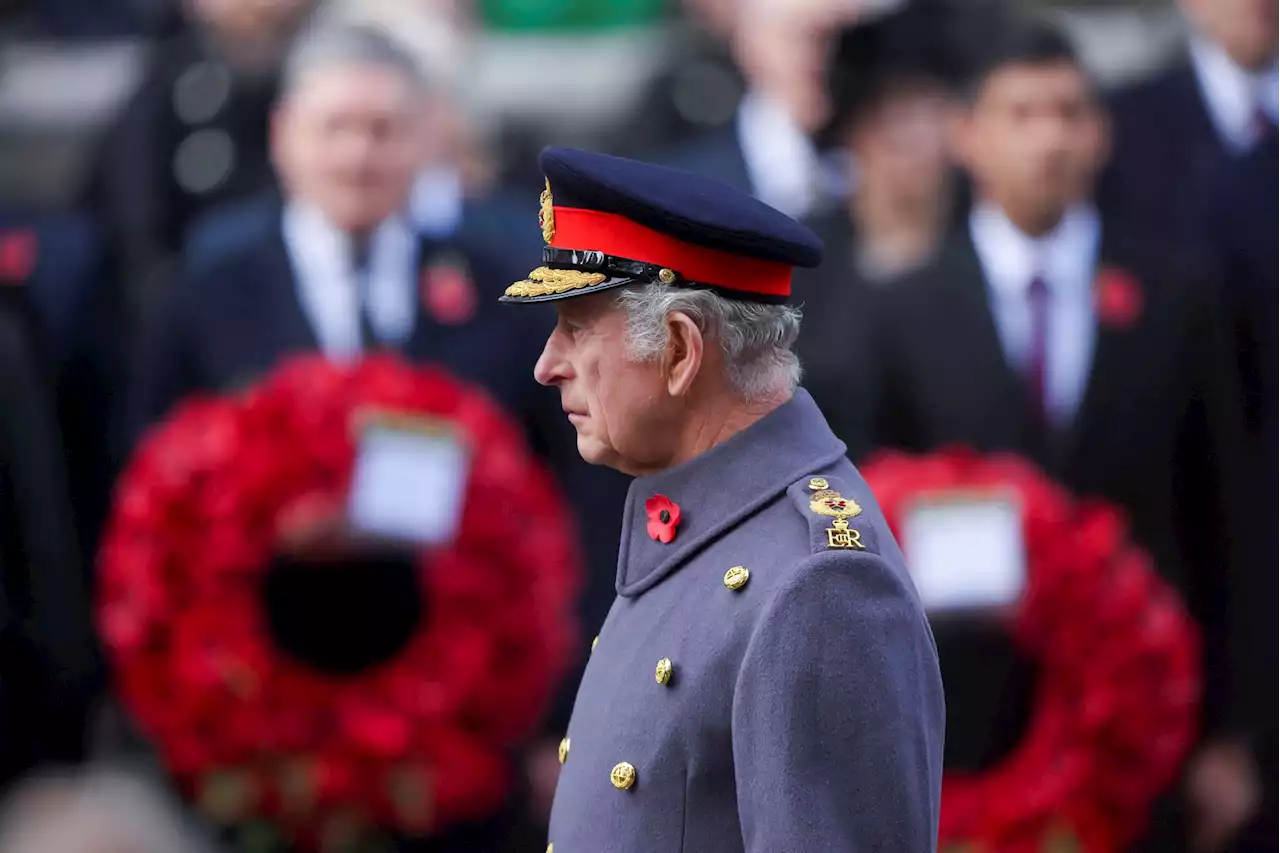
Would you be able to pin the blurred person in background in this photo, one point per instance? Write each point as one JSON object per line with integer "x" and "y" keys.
{"x": 194, "y": 134}
{"x": 698, "y": 86}
{"x": 889, "y": 83}
{"x": 1048, "y": 330}
{"x": 1173, "y": 132}
{"x": 342, "y": 267}
{"x": 49, "y": 670}
{"x": 98, "y": 811}
{"x": 1243, "y": 224}
{"x": 781, "y": 46}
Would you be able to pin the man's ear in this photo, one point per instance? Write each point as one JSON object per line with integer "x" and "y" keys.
{"x": 683, "y": 358}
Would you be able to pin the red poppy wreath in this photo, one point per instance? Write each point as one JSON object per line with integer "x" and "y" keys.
{"x": 413, "y": 738}
{"x": 1118, "y": 687}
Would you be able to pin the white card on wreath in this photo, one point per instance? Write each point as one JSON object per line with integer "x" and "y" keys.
{"x": 408, "y": 484}
{"x": 965, "y": 552}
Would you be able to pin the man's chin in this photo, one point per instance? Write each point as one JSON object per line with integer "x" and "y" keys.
{"x": 592, "y": 451}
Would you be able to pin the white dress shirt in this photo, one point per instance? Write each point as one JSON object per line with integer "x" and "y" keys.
{"x": 1066, "y": 258}
{"x": 781, "y": 161}
{"x": 329, "y": 290}
{"x": 436, "y": 203}
{"x": 1233, "y": 94}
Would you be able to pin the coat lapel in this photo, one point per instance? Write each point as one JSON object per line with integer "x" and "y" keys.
{"x": 285, "y": 322}
{"x": 1113, "y": 356}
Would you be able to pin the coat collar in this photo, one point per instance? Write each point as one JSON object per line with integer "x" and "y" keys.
{"x": 721, "y": 488}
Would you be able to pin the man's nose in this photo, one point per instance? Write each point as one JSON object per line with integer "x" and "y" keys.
{"x": 550, "y": 367}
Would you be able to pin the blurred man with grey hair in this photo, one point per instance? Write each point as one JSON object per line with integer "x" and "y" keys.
{"x": 337, "y": 264}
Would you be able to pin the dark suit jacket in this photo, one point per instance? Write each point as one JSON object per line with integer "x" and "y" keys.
{"x": 134, "y": 184}
{"x": 1157, "y": 433}
{"x": 1166, "y": 157}
{"x": 77, "y": 329}
{"x": 48, "y": 660}
{"x": 1243, "y": 224}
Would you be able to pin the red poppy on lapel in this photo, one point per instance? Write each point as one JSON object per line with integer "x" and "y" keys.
{"x": 18, "y": 250}
{"x": 448, "y": 294}
{"x": 664, "y": 517}
{"x": 1117, "y": 297}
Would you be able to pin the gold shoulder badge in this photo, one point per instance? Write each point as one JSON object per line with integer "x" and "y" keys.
{"x": 547, "y": 215}
{"x": 831, "y": 503}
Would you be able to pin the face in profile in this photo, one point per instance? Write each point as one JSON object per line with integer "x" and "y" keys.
{"x": 348, "y": 140}
{"x": 619, "y": 407}
{"x": 1246, "y": 29}
{"x": 1033, "y": 139}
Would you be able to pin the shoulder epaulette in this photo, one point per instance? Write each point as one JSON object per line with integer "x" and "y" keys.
{"x": 836, "y": 520}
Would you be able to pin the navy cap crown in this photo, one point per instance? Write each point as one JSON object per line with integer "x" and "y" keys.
{"x": 692, "y": 208}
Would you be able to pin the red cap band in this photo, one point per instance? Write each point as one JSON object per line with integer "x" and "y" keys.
{"x": 592, "y": 230}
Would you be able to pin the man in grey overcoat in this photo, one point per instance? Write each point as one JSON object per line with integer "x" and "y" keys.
{"x": 766, "y": 680}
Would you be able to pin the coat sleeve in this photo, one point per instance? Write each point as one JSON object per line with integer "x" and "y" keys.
{"x": 838, "y": 715}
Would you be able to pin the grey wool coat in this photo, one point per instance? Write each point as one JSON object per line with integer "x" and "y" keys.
{"x": 766, "y": 681}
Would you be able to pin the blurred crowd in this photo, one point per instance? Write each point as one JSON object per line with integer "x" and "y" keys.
{"x": 1022, "y": 253}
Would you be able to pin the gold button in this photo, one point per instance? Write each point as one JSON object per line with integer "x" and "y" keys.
{"x": 666, "y": 276}
{"x": 663, "y": 673}
{"x": 737, "y": 577}
{"x": 623, "y": 776}
{"x": 594, "y": 642}
{"x": 564, "y": 750}
{"x": 818, "y": 484}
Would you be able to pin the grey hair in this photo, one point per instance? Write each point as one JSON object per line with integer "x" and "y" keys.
{"x": 114, "y": 808}
{"x": 756, "y": 339}
{"x": 325, "y": 47}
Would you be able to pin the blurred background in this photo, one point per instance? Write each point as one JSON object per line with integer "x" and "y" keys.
{"x": 173, "y": 174}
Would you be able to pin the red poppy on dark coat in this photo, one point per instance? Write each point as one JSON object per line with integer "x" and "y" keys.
{"x": 1117, "y": 297}
{"x": 664, "y": 517}
{"x": 18, "y": 251}
{"x": 448, "y": 293}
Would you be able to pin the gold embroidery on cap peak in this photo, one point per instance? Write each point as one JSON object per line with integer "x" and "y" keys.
{"x": 545, "y": 281}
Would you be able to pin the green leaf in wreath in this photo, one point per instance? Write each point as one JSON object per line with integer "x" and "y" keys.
{"x": 1060, "y": 839}
{"x": 228, "y": 796}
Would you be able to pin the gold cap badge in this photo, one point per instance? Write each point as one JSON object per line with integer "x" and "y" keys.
{"x": 547, "y": 215}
